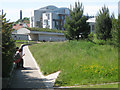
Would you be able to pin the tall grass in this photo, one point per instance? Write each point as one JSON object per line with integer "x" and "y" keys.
{"x": 80, "y": 62}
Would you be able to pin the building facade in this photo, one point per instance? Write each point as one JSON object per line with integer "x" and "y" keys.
{"x": 118, "y": 7}
{"x": 49, "y": 17}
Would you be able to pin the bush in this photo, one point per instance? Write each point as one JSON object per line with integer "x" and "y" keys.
{"x": 91, "y": 36}
{"x": 100, "y": 42}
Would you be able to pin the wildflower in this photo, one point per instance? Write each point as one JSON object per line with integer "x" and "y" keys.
{"x": 96, "y": 71}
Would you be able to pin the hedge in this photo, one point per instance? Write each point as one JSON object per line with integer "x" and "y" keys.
{"x": 46, "y": 30}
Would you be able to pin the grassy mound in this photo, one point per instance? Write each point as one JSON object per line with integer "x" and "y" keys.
{"x": 80, "y": 62}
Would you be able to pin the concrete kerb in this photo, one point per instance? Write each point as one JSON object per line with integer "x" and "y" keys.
{"x": 35, "y": 63}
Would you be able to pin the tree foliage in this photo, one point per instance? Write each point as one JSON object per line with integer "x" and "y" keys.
{"x": 115, "y": 32}
{"x": 24, "y": 20}
{"x": 8, "y": 47}
{"x": 103, "y": 24}
{"x": 75, "y": 23}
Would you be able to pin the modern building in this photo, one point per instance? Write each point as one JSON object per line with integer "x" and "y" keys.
{"x": 50, "y": 17}
{"x": 118, "y": 7}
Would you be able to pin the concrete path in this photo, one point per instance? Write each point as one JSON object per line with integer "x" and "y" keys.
{"x": 31, "y": 76}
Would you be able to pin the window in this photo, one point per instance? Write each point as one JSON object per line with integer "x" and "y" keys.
{"x": 45, "y": 22}
{"x": 93, "y": 27}
{"x": 56, "y": 22}
{"x": 48, "y": 16}
{"x": 62, "y": 17}
{"x": 48, "y": 22}
{"x": 61, "y": 24}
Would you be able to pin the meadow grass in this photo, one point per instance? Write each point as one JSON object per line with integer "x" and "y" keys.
{"x": 18, "y": 44}
{"x": 80, "y": 62}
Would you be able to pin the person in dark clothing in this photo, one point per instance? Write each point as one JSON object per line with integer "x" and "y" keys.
{"x": 18, "y": 56}
{"x": 21, "y": 55}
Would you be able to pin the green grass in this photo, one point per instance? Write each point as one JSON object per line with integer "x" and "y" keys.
{"x": 80, "y": 62}
{"x": 19, "y": 42}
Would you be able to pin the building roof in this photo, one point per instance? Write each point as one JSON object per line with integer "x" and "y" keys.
{"x": 18, "y": 26}
{"x": 91, "y": 20}
{"x": 49, "y": 7}
{"x": 26, "y": 31}
{"x": 48, "y": 33}
{"x": 21, "y": 31}
{"x": 52, "y": 8}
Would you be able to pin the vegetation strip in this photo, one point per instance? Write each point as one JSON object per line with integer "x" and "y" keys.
{"x": 88, "y": 85}
{"x": 46, "y": 30}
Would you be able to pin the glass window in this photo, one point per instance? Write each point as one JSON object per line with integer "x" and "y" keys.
{"x": 93, "y": 27}
{"x": 61, "y": 23}
{"x": 56, "y": 22}
{"x": 48, "y": 16}
{"x": 48, "y": 22}
{"x": 45, "y": 22}
{"x": 62, "y": 17}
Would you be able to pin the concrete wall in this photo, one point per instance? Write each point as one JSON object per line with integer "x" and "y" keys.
{"x": 20, "y": 37}
{"x": 33, "y": 37}
{"x": 25, "y": 34}
{"x": 51, "y": 37}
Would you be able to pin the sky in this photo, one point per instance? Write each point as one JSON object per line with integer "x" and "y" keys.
{"x": 91, "y": 7}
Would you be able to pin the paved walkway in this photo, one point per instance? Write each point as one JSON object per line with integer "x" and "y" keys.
{"x": 31, "y": 76}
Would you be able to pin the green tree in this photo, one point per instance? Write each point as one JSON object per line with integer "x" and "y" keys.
{"x": 103, "y": 24}
{"x": 75, "y": 23}
{"x": 24, "y": 20}
{"x": 8, "y": 47}
{"x": 115, "y": 32}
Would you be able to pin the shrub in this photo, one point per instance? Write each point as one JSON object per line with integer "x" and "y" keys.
{"x": 91, "y": 36}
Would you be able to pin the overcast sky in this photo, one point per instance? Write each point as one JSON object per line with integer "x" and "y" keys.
{"x": 91, "y": 7}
